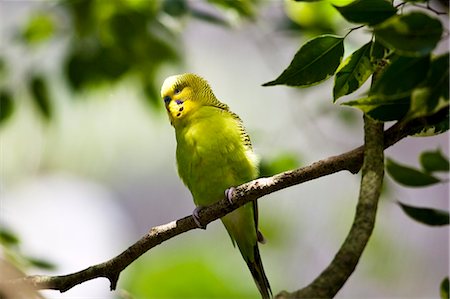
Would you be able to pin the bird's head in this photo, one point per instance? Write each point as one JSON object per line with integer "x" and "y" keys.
{"x": 185, "y": 93}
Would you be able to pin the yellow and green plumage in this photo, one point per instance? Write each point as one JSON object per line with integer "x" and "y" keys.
{"x": 214, "y": 153}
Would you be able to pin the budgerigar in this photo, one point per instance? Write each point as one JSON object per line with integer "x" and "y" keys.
{"x": 213, "y": 154}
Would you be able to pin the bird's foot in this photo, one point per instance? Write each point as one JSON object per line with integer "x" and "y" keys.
{"x": 196, "y": 216}
{"x": 229, "y": 194}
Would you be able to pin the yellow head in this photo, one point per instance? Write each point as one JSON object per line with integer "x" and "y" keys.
{"x": 185, "y": 93}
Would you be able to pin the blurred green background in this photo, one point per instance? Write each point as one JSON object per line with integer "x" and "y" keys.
{"x": 88, "y": 154}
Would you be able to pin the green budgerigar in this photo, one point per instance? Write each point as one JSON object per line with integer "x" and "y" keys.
{"x": 214, "y": 153}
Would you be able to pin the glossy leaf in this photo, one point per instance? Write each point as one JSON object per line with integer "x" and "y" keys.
{"x": 432, "y": 95}
{"x": 428, "y": 216}
{"x": 413, "y": 34}
{"x": 444, "y": 289}
{"x": 380, "y": 108}
{"x": 6, "y": 105}
{"x": 400, "y": 78}
{"x": 390, "y": 112}
{"x": 367, "y": 12}
{"x": 353, "y": 72}
{"x": 316, "y": 61}
{"x": 434, "y": 161}
{"x": 409, "y": 176}
{"x": 39, "y": 91}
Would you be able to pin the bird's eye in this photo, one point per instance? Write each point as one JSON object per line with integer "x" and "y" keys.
{"x": 176, "y": 91}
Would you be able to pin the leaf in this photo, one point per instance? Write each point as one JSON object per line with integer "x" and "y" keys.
{"x": 408, "y": 176}
{"x": 435, "y": 128}
{"x": 432, "y": 95}
{"x": 39, "y": 28}
{"x": 378, "y": 51}
{"x": 444, "y": 289}
{"x": 434, "y": 161}
{"x": 414, "y": 34}
{"x": 282, "y": 162}
{"x": 209, "y": 17}
{"x": 8, "y": 238}
{"x": 390, "y": 112}
{"x": 243, "y": 8}
{"x": 316, "y": 61}
{"x": 367, "y": 12}
{"x": 39, "y": 91}
{"x": 433, "y": 217}
{"x": 380, "y": 108}
{"x": 175, "y": 8}
{"x": 400, "y": 78}
{"x": 353, "y": 72}
{"x": 40, "y": 263}
{"x": 6, "y": 105}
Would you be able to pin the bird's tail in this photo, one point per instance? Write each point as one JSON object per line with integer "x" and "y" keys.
{"x": 257, "y": 270}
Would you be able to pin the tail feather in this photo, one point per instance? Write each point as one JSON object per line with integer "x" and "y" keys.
{"x": 257, "y": 270}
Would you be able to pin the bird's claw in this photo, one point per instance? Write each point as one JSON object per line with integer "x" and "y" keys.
{"x": 196, "y": 216}
{"x": 229, "y": 194}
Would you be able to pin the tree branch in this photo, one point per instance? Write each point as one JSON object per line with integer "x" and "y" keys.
{"x": 331, "y": 280}
{"x": 111, "y": 269}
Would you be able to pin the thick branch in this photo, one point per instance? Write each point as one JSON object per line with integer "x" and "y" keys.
{"x": 111, "y": 269}
{"x": 331, "y": 280}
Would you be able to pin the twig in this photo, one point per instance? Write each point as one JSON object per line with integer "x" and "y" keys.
{"x": 111, "y": 269}
{"x": 331, "y": 280}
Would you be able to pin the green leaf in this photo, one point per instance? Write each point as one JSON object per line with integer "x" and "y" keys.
{"x": 6, "y": 105}
{"x": 400, "y": 78}
{"x": 444, "y": 290}
{"x": 353, "y": 72}
{"x": 434, "y": 161}
{"x": 380, "y": 108}
{"x": 367, "y": 12}
{"x": 435, "y": 128}
{"x": 175, "y": 8}
{"x": 316, "y": 61}
{"x": 432, "y": 95}
{"x": 243, "y": 8}
{"x": 408, "y": 176}
{"x": 8, "y": 238}
{"x": 209, "y": 17}
{"x": 378, "y": 51}
{"x": 433, "y": 217}
{"x": 282, "y": 162}
{"x": 39, "y": 91}
{"x": 38, "y": 29}
{"x": 40, "y": 263}
{"x": 414, "y": 34}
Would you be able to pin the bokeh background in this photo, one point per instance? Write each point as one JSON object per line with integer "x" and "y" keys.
{"x": 88, "y": 155}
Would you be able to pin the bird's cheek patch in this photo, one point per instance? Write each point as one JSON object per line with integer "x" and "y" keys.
{"x": 180, "y": 110}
